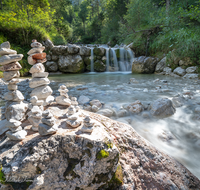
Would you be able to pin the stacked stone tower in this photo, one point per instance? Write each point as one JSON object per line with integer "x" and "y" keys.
{"x": 15, "y": 108}
{"x": 41, "y": 94}
{"x": 39, "y": 81}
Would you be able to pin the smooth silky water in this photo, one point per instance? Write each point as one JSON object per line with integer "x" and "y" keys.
{"x": 178, "y": 135}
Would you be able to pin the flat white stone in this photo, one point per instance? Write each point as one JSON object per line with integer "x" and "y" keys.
{"x": 37, "y": 68}
{"x": 63, "y": 101}
{"x": 49, "y": 100}
{"x": 10, "y": 75}
{"x": 42, "y": 92}
{"x": 36, "y": 82}
{"x": 36, "y": 50}
{"x": 6, "y": 51}
{"x": 19, "y": 135}
{"x": 40, "y": 75}
{"x": 15, "y": 96}
{"x": 6, "y": 59}
{"x": 12, "y": 87}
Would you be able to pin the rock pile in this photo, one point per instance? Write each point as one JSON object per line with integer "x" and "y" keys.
{"x": 40, "y": 81}
{"x": 63, "y": 99}
{"x": 35, "y": 116}
{"x": 48, "y": 125}
{"x": 15, "y": 108}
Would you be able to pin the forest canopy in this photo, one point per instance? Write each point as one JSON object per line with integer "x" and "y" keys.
{"x": 155, "y": 27}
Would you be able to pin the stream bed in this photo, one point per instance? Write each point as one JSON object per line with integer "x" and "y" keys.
{"x": 178, "y": 135}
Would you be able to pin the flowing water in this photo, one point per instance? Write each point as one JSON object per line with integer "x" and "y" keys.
{"x": 178, "y": 135}
{"x": 92, "y": 60}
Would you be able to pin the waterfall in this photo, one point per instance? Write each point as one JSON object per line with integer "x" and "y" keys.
{"x": 115, "y": 60}
{"x": 107, "y": 59}
{"x": 92, "y": 60}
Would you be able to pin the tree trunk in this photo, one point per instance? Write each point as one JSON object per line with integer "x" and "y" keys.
{"x": 167, "y": 4}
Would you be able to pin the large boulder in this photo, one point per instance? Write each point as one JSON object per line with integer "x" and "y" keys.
{"x": 59, "y": 50}
{"x": 99, "y": 51}
{"x": 71, "y": 64}
{"x": 87, "y": 60}
{"x": 114, "y": 156}
{"x": 191, "y": 69}
{"x": 144, "y": 65}
{"x": 191, "y": 76}
{"x": 179, "y": 71}
{"x": 160, "y": 65}
{"x": 162, "y": 108}
{"x": 73, "y": 49}
{"x": 99, "y": 66}
{"x": 51, "y": 66}
{"x": 85, "y": 51}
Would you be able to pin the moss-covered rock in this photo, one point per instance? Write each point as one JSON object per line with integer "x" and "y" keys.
{"x": 99, "y": 66}
{"x": 99, "y": 51}
{"x": 102, "y": 154}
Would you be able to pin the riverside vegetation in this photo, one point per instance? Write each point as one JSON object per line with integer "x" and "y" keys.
{"x": 156, "y": 28}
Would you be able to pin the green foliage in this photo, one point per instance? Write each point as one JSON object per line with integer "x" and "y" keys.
{"x": 102, "y": 154}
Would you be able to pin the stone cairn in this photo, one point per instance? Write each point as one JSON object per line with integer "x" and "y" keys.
{"x": 48, "y": 125}
{"x": 63, "y": 99}
{"x": 10, "y": 65}
{"x": 41, "y": 94}
{"x": 87, "y": 125}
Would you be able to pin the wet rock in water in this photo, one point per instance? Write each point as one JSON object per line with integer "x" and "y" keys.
{"x": 133, "y": 81}
{"x": 167, "y": 70}
{"x": 121, "y": 113}
{"x": 162, "y": 108}
{"x": 179, "y": 71}
{"x": 83, "y": 100}
{"x": 135, "y": 107}
{"x": 71, "y": 64}
{"x": 96, "y": 103}
{"x": 191, "y": 69}
{"x": 191, "y": 76}
{"x": 106, "y": 112}
{"x": 178, "y": 101}
{"x": 166, "y": 136}
{"x": 52, "y": 66}
{"x": 95, "y": 108}
{"x": 160, "y": 65}
{"x": 144, "y": 65}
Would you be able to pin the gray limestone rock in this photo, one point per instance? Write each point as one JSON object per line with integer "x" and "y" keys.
{"x": 3, "y": 126}
{"x": 191, "y": 69}
{"x": 191, "y": 76}
{"x": 5, "y": 45}
{"x": 19, "y": 135}
{"x": 144, "y": 65}
{"x": 162, "y": 108}
{"x": 42, "y": 92}
{"x": 10, "y": 75}
{"x": 179, "y": 71}
{"x": 51, "y": 66}
{"x": 85, "y": 51}
{"x": 161, "y": 65}
{"x": 37, "y": 68}
{"x": 36, "y": 45}
{"x": 99, "y": 51}
{"x": 15, "y": 96}
{"x": 36, "y": 50}
{"x": 71, "y": 64}
{"x": 73, "y": 49}
{"x": 49, "y": 122}
{"x": 6, "y": 51}
{"x": 44, "y": 129}
{"x": 16, "y": 111}
{"x": 40, "y": 75}
{"x": 6, "y": 59}
{"x": 62, "y": 100}
{"x": 83, "y": 100}
{"x": 36, "y": 82}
